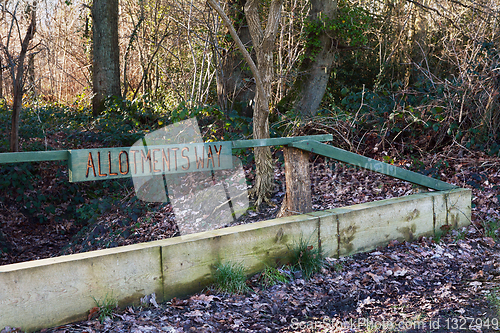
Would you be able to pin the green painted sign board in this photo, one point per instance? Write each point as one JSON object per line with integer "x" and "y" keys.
{"x": 111, "y": 163}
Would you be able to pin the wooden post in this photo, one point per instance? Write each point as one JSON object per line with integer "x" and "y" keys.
{"x": 298, "y": 183}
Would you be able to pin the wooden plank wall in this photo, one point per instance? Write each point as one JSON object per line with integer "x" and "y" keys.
{"x": 51, "y": 292}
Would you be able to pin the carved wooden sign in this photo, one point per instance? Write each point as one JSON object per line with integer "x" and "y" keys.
{"x": 109, "y": 163}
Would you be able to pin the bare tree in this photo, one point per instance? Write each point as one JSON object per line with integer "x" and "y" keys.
{"x": 16, "y": 65}
{"x": 132, "y": 38}
{"x": 106, "y": 53}
{"x": 1, "y": 78}
{"x": 315, "y": 70}
{"x": 263, "y": 41}
{"x": 235, "y": 87}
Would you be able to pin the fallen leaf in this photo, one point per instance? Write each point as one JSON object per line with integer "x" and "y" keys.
{"x": 375, "y": 277}
{"x": 195, "y": 313}
{"x": 93, "y": 312}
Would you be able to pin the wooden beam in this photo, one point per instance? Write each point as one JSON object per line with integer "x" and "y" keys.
{"x": 279, "y": 141}
{"x": 35, "y": 156}
{"x": 371, "y": 164}
{"x": 111, "y": 163}
{"x": 64, "y": 155}
{"x": 182, "y": 265}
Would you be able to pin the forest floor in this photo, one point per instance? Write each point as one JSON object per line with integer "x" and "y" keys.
{"x": 409, "y": 287}
{"x": 444, "y": 284}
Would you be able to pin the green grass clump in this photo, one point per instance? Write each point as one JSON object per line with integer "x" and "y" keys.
{"x": 491, "y": 228}
{"x": 306, "y": 258}
{"x": 105, "y": 307}
{"x": 230, "y": 278}
{"x": 494, "y": 298}
{"x": 271, "y": 276}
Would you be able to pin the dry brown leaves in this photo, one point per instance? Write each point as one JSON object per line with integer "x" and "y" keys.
{"x": 410, "y": 287}
{"x": 418, "y": 287}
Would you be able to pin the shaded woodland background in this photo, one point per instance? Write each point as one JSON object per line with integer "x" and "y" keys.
{"x": 414, "y": 75}
{"x": 412, "y": 83}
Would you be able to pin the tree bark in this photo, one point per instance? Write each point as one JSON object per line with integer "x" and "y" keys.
{"x": 1, "y": 78}
{"x": 263, "y": 42}
{"x": 314, "y": 72}
{"x": 298, "y": 183}
{"x": 31, "y": 74}
{"x": 235, "y": 89}
{"x": 105, "y": 53}
{"x": 18, "y": 83}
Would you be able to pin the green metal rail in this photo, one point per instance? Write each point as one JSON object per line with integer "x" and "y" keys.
{"x": 371, "y": 164}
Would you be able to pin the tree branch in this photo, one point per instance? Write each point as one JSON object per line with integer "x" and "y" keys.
{"x": 241, "y": 47}
{"x": 253, "y": 20}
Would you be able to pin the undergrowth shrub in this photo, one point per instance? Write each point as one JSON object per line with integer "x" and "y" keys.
{"x": 421, "y": 87}
{"x": 40, "y": 203}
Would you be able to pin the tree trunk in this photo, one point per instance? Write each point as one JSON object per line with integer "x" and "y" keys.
{"x": 264, "y": 43}
{"x": 235, "y": 89}
{"x": 106, "y": 53}
{"x": 18, "y": 83}
{"x": 315, "y": 70}
{"x": 31, "y": 75}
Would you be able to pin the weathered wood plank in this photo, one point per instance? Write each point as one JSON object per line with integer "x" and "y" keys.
{"x": 111, "y": 163}
{"x": 328, "y": 232}
{"x": 34, "y": 156}
{"x": 366, "y": 226}
{"x": 452, "y": 208}
{"x": 253, "y": 245}
{"x": 51, "y": 292}
{"x": 63, "y": 155}
{"x": 371, "y": 164}
{"x": 298, "y": 183}
{"x": 278, "y": 141}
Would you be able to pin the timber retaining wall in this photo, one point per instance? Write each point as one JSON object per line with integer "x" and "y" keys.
{"x": 51, "y": 292}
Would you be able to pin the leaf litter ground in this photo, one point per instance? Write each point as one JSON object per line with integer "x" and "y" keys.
{"x": 431, "y": 285}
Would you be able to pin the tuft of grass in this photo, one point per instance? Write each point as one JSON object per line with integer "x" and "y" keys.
{"x": 460, "y": 234}
{"x": 230, "y": 278}
{"x": 271, "y": 276}
{"x": 494, "y": 298}
{"x": 306, "y": 258}
{"x": 491, "y": 229}
{"x": 437, "y": 236}
{"x": 105, "y": 307}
